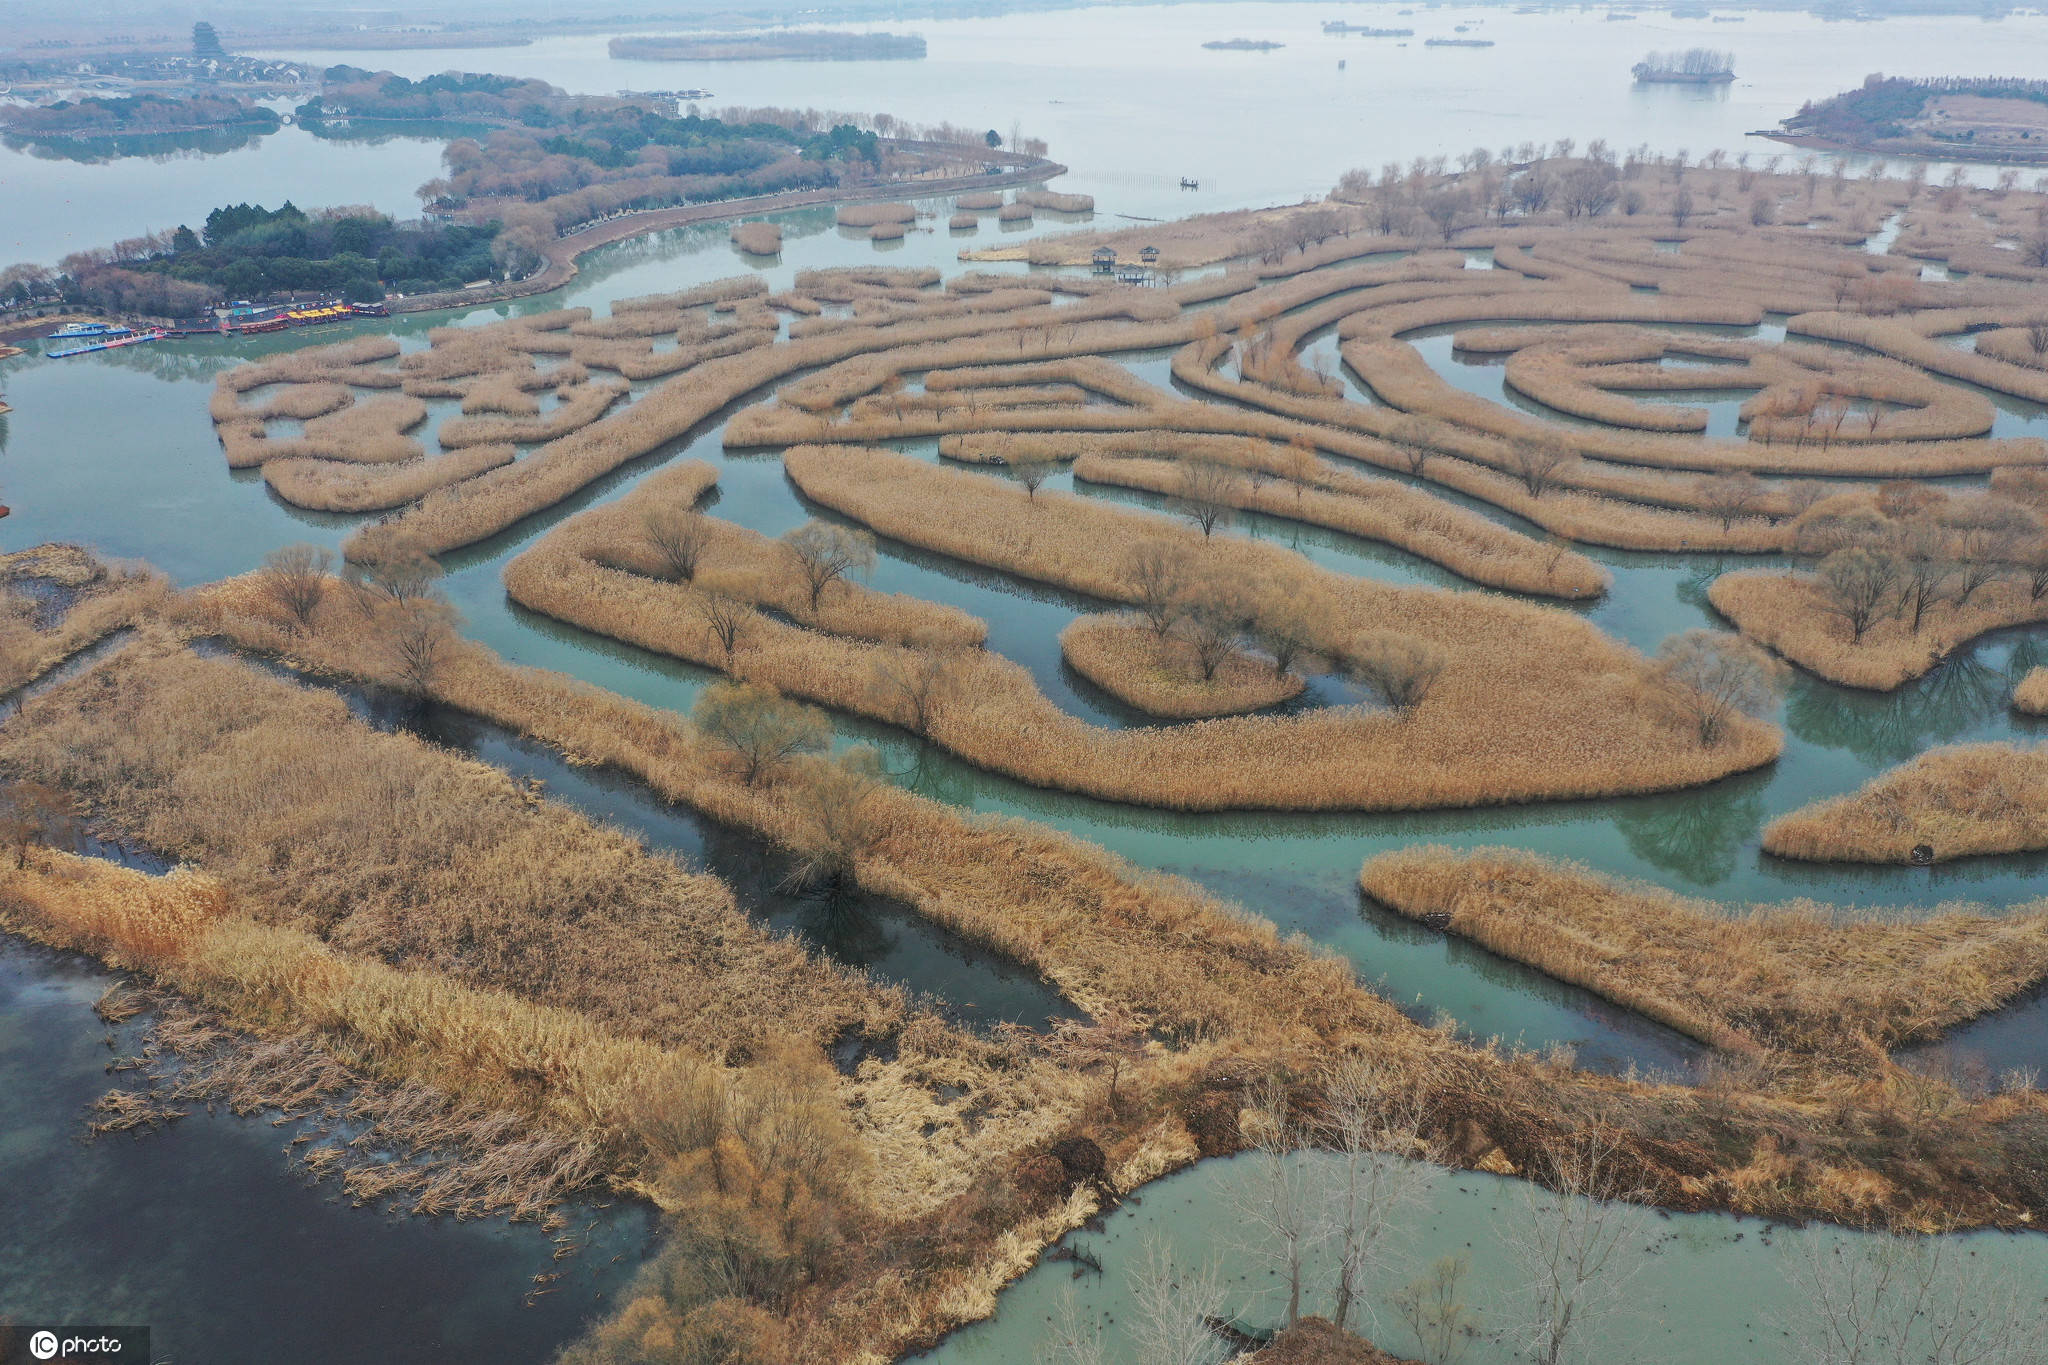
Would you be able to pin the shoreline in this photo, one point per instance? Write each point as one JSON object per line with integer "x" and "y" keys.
{"x": 1932, "y": 151}
{"x": 564, "y": 252}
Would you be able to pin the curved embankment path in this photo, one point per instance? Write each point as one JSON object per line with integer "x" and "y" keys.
{"x": 564, "y": 252}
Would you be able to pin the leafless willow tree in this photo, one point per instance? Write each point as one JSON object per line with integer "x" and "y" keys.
{"x": 1402, "y": 668}
{"x": 759, "y": 727}
{"x": 1204, "y": 493}
{"x": 419, "y": 639}
{"x": 397, "y": 569}
{"x": 1434, "y": 1307}
{"x": 1157, "y": 571}
{"x": 727, "y": 608}
{"x": 1577, "y": 1247}
{"x": 1714, "y": 676}
{"x": 1380, "y": 1175}
{"x": 915, "y": 684}
{"x": 1730, "y": 497}
{"x": 1289, "y": 621}
{"x": 1214, "y": 620}
{"x": 826, "y": 554}
{"x": 1170, "y": 1304}
{"x": 1859, "y": 586}
{"x": 1280, "y": 1205}
{"x": 1033, "y": 474}
{"x": 1538, "y": 461}
{"x": 841, "y": 822}
{"x": 295, "y": 579}
{"x": 678, "y": 536}
{"x": 1909, "y": 1299}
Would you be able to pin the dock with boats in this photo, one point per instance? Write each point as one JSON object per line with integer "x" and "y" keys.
{"x": 234, "y": 320}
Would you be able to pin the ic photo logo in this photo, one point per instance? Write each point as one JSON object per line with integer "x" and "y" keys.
{"x": 67, "y": 1345}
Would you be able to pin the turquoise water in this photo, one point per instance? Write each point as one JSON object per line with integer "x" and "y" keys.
{"x": 116, "y": 450}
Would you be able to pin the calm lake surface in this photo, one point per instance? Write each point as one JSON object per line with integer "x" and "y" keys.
{"x": 116, "y": 450}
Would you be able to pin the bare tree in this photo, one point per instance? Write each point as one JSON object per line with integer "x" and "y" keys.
{"x": 759, "y": 727}
{"x": 1924, "y": 568}
{"x": 1279, "y": 1204}
{"x": 1858, "y": 585}
{"x": 842, "y": 819}
{"x": 35, "y": 813}
{"x": 1435, "y": 1310}
{"x": 1577, "y": 1247}
{"x": 294, "y": 578}
{"x": 1538, "y": 461}
{"x": 1158, "y": 572}
{"x": 419, "y": 638}
{"x": 1203, "y": 493}
{"x": 1288, "y": 622}
{"x": 2037, "y": 342}
{"x": 1402, "y": 667}
{"x": 915, "y": 684}
{"x": 678, "y": 537}
{"x": 1681, "y": 208}
{"x": 394, "y": 569}
{"x": 1729, "y": 497}
{"x": 1214, "y": 617}
{"x": 826, "y": 554}
{"x": 1380, "y": 1176}
{"x": 1714, "y": 676}
{"x": 1909, "y": 1299}
{"x": 1114, "y": 1039}
{"x": 1170, "y": 1307}
{"x": 727, "y": 608}
{"x": 1033, "y": 474}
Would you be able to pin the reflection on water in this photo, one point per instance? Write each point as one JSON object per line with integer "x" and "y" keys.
{"x": 1702, "y": 1289}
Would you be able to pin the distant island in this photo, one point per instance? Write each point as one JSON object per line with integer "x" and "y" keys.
{"x": 773, "y": 47}
{"x": 1242, "y": 45}
{"x": 132, "y": 116}
{"x": 1987, "y": 118}
{"x": 1367, "y": 31}
{"x": 1694, "y": 66}
{"x": 1457, "y": 42}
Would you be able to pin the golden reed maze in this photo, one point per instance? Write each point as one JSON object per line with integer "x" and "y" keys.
{"x": 816, "y": 1214}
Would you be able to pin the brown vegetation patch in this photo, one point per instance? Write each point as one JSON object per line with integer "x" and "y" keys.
{"x": 334, "y": 486}
{"x": 1954, "y": 802}
{"x": 1799, "y": 978}
{"x": 757, "y": 239}
{"x": 1161, "y": 675}
{"x": 2031, "y": 696}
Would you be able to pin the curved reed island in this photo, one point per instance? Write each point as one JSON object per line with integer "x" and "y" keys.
{"x": 1835, "y": 988}
{"x": 925, "y": 1179}
{"x": 1957, "y": 802}
{"x": 2030, "y": 698}
{"x": 1189, "y": 671}
{"x": 1487, "y": 700}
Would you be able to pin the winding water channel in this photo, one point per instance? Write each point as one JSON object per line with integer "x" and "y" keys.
{"x": 117, "y": 451}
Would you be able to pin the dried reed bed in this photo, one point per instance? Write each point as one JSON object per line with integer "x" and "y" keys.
{"x": 104, "y": 598}
{"x": 757, "y": 239}
{"x": 355, "y": 363}
{"x": 869, "y": 215}
{"x": 1160, "y": 675}
{"x": 334, "y": 486}
{"x": 1960, "y": 801}
{"x": 1903, "y": 342}
{"x": 1464, "y": 542}
{"x": 980, "y": 200}
{"x": 579, "y": 406}
{"x": 1799, "y": 978}
{"x": 1228, "y": 990}
{"x": 1533, "y": 702}
{"x": 1058, "y": 203}
{"x": 1108, "y": 936}
{"x": 370, "y": 432}
{"x": 887, "y": 232}
{"x": 713, "y": 292}
{"x": 2031, "y": 696}
{"x": 387, "y": 847}
{"x": 1014, "y": 212}
{"x": 188, "y": 929}
{"x": 761, "y": 571}
{"x": 963, "y": 222}
{"x": 1788, "y": 613}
